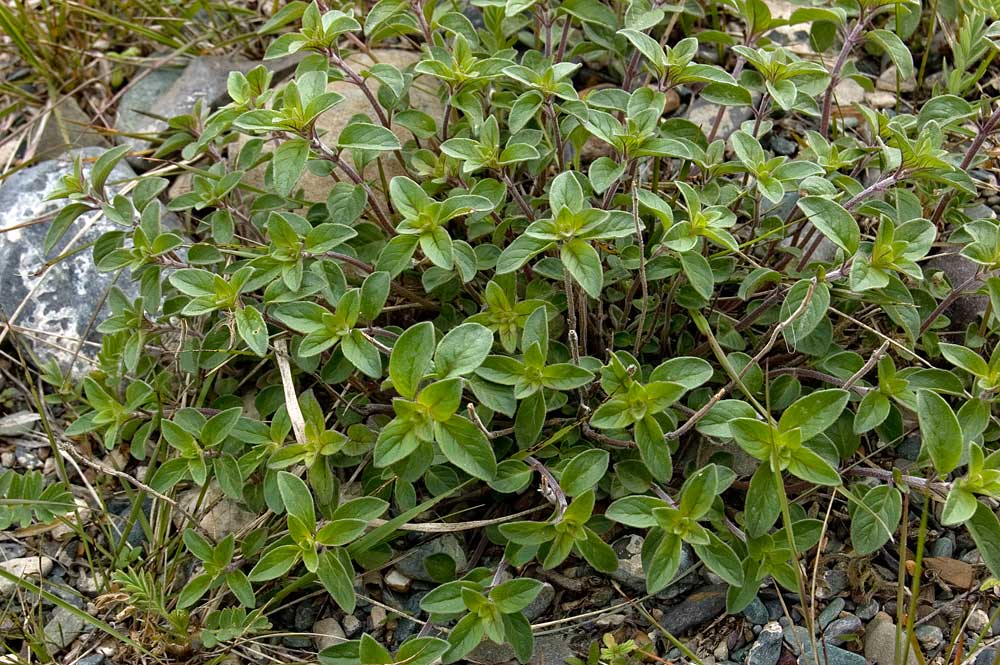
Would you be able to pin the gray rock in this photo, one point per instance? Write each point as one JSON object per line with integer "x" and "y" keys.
{"x": 140, "y": 98}
{"x": 756, "y": 612}
{"x": 92, "y": 659}
{"x": 987, "y": 657}
{"x": 63, "y": 128}
{"x": 835, "y": 581}
{"x": 830, "y": 655}
{"x": 549, "y": 650}
{"x": 767, "y": 649}
{"x": 306, "y": 614}
{"x": 943, "y": 547}
{"x": 703, "y": 113}
{"x": 351, "y": 625}
{"x": 328, "y": 633}
{"x": 204, "y": 79}
{"x": 62, "y": 629}
{"x": 29, "y": 568}
{"x": 830, "y": 612}
{"x": 929, "y": 636}
{"x": 868, "y": 610}
{"x": 412, "y": 565}
{"x": 967, "y": 308}
{"x": 224, "y": 516}
{"x": 880, "y": 642}
{"x": 843, "y": 629}
{"x": 696, "y": 609}
{"x": 60, "y": 303}
{"x": 978, "y": 621}
{"x": 796, "y": 637}
{"x": 782, "y": 146}
{"x": 541, "y": 602}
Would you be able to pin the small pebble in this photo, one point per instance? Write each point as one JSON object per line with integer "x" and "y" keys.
{"x": 610, "y": 620}
{"x": 351, "y": 625}
{"x": 868, "y": 610}
{"x": 978, "y": 620}
{"x": 929, "y": 636}
{"x": 943, "y": 547}
{"x": 756, "y": 612}
{"x": 327, "y": 633}
{"x": 767, "y": 649}
{"x": 378, "y": 616}
{"x": 397, "y": 581}
{"x": 831, "y": 612}
{"x": 843, "y": 629}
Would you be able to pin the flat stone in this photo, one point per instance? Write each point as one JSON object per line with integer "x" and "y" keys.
{"x": 61, "y": 303}
{"x": 831, "y": 655}
{"x": 332, "y": 122}
{"x": 929, "y": 636}
{"x": 843, "y": 629}
{"x": 63, "y": 128}
{"x": 756, "y": 612}
{"x": 830, "y": 612}
{"x": 62, "y": 629}
{"x": 225, "y": 516}
{"x": 880, "y": 642}
{"x": 541, "y": 602}
{"x": 696, "y": 609}
{"x": 767, "y": 649}
{"x": 397, "y": 581}
{"x": 29, "y": 568}
{"x": 703, "y": 113}
{"x": 327, "y": 633}
{"x": 412, "y": 565}
{"x": 881, "y": 100}
{"x": 139, "y": 99}
{"x": 887, "y": 81}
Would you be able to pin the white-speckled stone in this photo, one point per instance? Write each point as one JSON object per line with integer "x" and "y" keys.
{"x": 63, "y": 299}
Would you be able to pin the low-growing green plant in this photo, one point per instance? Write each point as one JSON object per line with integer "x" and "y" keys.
{"x": 546, "y": 285}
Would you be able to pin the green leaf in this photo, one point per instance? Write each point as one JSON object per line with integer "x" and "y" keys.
{"x": 833, "y": 221}
{"x": 297, "y": 498}
{"x": 598, "y": 553}
{"x": 985, "y": 530}
{"x": 965, "y": 358}
{"x": 464, "y": 637}
{"x": 808, "y": 465}
{"x": 194, "y": 590}
{"x": 462, "y": 350}
{"x": 250, "y": 324}
{"x": 515, "y": 595}
{"x": 362, "y": 353}
{"x": 288, "y": 163}
{"x": 699, "y": 273}
{"x": 411, "y": 358}
{"x": 275, "y": 563}
{"x": 894, "y": 47}
{"x": 941, "y": 432}
{"x": 663, "y": 563}
{"x": 466, "y": 447}
{"x": 762, "y": 504}
{"x": 338, "y": 579}
{"x": 365, "y": 136}
{"x": 584, "y": 471}
{"x": 583, "y": 262}
{"x": 720, "y": 559}
{"x": 814, "y": 413}
{"x": 958, "y": 507}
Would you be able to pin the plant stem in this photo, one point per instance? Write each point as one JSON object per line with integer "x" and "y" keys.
{"x": 849, "y": 42}
{"x": 985, "y": 129}
{"x": 641, "y": 326}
